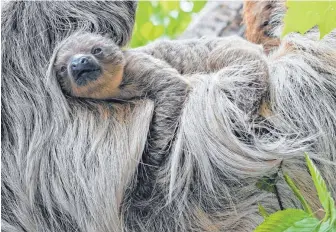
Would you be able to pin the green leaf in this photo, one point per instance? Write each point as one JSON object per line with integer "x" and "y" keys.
{"x": 146, "y": 29}
{"x": 332, "y": 212}
{"x": 289, "y": 220}
{"x": 160, "y": 18}
{"x": 298, "y": 194}
{"x": 303, "y": 15}
{"x": 327, "y": 227}
{"x": 157, "y": 31}
{"x": 198, "y": 5}
{"x": 168, "y": 6}
{"x": 309, "y": 224}
{"x": 144, "y": 11}
{"x": 185, "y": 19}
{"x": 322, "y": 191}
{"x": 262, "y": 211}
{"x": 327, "y": 22}
{"x": 173, "y": 25}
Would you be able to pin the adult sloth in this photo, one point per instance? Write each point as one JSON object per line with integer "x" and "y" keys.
{"x": 71, "y": 165}
{"x": 49, "y": 141}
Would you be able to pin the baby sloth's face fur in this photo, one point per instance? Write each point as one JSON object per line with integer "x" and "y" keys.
{"x": 90, "y": 66}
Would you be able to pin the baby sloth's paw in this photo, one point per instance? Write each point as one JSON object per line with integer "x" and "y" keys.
{"x": 145, "y": 75}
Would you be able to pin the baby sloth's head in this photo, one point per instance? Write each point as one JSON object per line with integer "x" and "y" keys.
{"x": 90, "y": 66}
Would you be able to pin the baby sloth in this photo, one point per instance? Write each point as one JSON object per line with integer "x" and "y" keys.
{"x": 92, "y": 66}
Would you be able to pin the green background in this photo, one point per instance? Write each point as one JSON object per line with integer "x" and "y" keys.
{"x": 162, "y": 19}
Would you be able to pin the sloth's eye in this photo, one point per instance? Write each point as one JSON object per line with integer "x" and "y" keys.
{"x": 63, "y": 69}
{"x": 97, "y": 51}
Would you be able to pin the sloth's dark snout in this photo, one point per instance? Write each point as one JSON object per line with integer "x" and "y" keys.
{"x": 84, "y": 69}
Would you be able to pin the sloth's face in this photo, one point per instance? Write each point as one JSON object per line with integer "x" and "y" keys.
{"x": 90, "y": 66}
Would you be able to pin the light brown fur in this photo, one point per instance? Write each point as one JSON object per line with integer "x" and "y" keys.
{"x": 257, "y": 19}
{"x": 105, "y": 87}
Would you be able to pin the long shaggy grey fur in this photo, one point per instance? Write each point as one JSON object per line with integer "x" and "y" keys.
{"x": 82, "y": 165}
{"x": 64, "y": 164}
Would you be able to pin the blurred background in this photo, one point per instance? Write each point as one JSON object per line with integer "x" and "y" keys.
{"x": 163, "y": 19}
{"x": 186, "y": 19}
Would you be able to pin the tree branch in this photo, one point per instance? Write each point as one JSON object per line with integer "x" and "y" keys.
{"x": 217, "y": 19}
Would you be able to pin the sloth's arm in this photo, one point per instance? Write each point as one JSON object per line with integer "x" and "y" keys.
{"x": 147, "y": 77}
{"x": 193, "y": 55}
{"x": 221, "y": 56}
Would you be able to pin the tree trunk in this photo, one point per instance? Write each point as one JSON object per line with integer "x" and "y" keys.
{"x": 217, "y": 19}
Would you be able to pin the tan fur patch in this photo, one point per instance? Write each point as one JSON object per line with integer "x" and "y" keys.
{"x": 283, "y": 50}
{"x": 264, "y": 110}
{"x": 256, "y": 13}
{"x": 105, "y": 87}
{"x": 104, "y": 112}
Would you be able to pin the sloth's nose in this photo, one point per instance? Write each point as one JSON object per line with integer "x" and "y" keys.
{"x": 79, "y": 62}
{"x": 84, "y": 69}
{"x": 82, "y": 63}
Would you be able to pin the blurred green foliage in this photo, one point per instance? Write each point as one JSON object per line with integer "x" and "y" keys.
{"x": 301, "y": 16}
{"x": 163, "y": 19}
